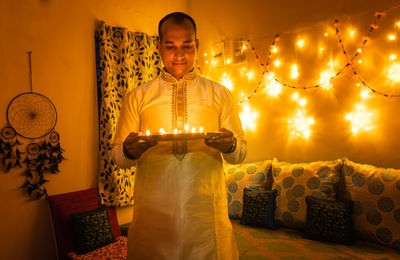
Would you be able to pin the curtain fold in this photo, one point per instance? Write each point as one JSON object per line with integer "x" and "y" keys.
{"x": 124, "y": 60}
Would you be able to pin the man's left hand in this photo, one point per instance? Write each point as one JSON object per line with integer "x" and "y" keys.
{"x": 223, "y": 142}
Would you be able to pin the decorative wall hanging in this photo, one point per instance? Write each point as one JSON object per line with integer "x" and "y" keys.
{"x": 31, "y": 116}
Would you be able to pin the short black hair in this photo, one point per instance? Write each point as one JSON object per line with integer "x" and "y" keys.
{"x": 177, "y": 18}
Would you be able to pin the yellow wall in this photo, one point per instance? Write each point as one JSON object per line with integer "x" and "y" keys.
{"x": 61, "y": 36}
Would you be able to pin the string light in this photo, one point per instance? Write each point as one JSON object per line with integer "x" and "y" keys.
{"x": 394, "y": 72}
{"x": 391, "y": 37}
{"x": 274, "y": 49}
{"x": 273, "y": 88}
{"x": 277, "y": 63}
{"x": 300, "y": 125}
{"x": 294, "y": 73}
{"x": 360, "y": 119}
{"x": 228, "y": 61}
{"x": 326, "y": 34}
{"x": 365, "y": 93}
{"x": 300, "y": 43}
{"x": 352, "y": 33}
{"x": 226, "y": 82}
{"x": 325, "y": 79}
{"x": 250, "y": 75}
{"x": 393, "y": 56}
{"x": 248, "y": 118}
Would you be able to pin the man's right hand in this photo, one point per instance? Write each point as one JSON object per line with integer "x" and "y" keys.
{"x": 134, "y": 146}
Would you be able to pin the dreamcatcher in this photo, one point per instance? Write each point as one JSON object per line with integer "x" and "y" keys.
{"x": 31, "y": 116}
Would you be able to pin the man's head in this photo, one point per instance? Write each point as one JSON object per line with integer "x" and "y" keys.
{"x": 178, "y": 44}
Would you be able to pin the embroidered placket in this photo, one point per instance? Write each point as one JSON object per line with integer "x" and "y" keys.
{"x": 180, "y": 117}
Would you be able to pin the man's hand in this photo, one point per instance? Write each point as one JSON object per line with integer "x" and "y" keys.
{"x": 134, "y": 146}
{"x": 223, "y": 143}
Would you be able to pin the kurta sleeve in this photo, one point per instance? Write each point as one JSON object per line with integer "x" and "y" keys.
{"x": 129, "y": 121}
{"x": 230, "y": 120}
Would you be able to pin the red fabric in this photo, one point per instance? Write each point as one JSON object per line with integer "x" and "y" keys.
{"x": 115, "y": 251}
{"x": 63, "y": 205}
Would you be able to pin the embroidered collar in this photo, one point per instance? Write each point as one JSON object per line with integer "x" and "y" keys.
{"x": 189, "y": 77}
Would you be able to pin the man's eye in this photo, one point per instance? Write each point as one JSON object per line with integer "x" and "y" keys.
{"x": 169, "y": 47}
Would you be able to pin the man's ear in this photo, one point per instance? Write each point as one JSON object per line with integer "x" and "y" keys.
{"x": 158, "y": 45}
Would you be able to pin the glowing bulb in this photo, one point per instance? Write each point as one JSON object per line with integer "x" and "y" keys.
{"x": 248, "y": 118}
{"x": 359, "y": 50}
{"x": 205, "y": 54}
{"x": 193, "y": 130}
{"x": 360, "y": 61}
{"x": 244, "y": 46}
{"x": 201, "y": 129}
{"x": 365, "y": 93}
{"x": 398, "y": 24}
{"x": 250, "y": 75}
{"x": 302, "y": 102}
{"x": 206, "y": 61}
{"x": 244, "y": 68}
{"x": 147, "y": 132}
{"x": 224, "y": 75}
{"x": 274, "y": 49}
{"x": 325, "y": 79}
{"x": 277, "y": 63}
{"x": 393, "y": 56}
{"x": 391, "y": 37}
{"x": 227, "y": 82}
{"x": 295, "y": 96}
{"x": 294, "y": 73}
{"x": 394, "y": 72}
{"x": 358, "y": 84}
{"x": 175, "y": 131}
{"x": 161, "y": 131}
{"x": 321, "y": 49}
{"x": 186, "y": 128}
{"x": 326, "y": 34}
{"x": 352, "y": 33}
{"x": 228, "y": 61}
{"x": 300, "y": 43}
{"x": 179, "y": 131}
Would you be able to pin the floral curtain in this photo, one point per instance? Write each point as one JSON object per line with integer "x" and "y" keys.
{"x": 124, "y": 60}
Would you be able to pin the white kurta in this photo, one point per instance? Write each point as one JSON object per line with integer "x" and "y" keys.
{"x": 180, "y": 209}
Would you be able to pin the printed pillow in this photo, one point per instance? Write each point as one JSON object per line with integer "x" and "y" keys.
{"x": 329, "y": 221}
{"x": 92, "y": 229}
{"x": 376, "y": 195}
{"x": 240, "y": 176}
{"x": 294, "y": 182}
{"x": 258, "y": 208}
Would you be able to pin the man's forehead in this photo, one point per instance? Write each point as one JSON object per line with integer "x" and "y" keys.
{"x": 171, "y": 26}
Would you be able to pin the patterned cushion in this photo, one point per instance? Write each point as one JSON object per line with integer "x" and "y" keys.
{"x": 294, "y": 182}
{"x": 92, "y": 229}
{"x": 117, "y": 250}
{"x": 376, "y": 195}
{"x": 258, "y": 208}
{"x": 240, "y": 176}
{"x": 329, "y": 221}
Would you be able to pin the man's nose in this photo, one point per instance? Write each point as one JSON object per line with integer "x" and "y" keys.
{"x": 179, "y": 53}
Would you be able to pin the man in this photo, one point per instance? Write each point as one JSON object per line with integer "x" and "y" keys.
{"x": 180, "y": 209}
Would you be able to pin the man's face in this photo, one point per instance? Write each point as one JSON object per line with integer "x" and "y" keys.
{"x": 178, "y": 48}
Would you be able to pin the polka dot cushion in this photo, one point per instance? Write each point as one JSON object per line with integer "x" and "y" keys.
{"x": 240, "y": 176}
{"x": 294, "y": 182}
{"x": 376, "y": 195}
